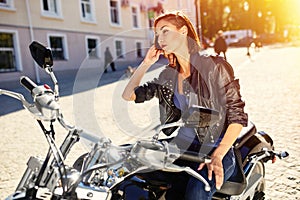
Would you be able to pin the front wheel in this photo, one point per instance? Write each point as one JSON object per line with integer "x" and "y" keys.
{"x": 261, "y": 185}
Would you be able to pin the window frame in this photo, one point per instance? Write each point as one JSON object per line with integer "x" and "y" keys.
{"x": 137, "y": 16}
{"x": 64, "y": 44}
{"x": 50, "y": 13}
{"x": 118, "y": 10}
{"x": 141, "y": 49}
{"x": 17, "y": 51}
{"x": 122, "y": 54}
{"x": 92, "y": 18}
{"x": 9, "y": 5}
{"x": 98, "y": 50}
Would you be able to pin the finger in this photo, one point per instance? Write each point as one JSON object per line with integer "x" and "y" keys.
{"x": 219, "y": 179}
{"x": 152, "y": 47}
{"x": 174, "y": 59}
{"x": 159, "y": 52}
{"x": 201, "y": 166}
{"x": 219, "y": 182}
{"x": 209, "y": 173}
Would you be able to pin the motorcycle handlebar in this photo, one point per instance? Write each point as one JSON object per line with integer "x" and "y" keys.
{"x": 194, "y": 157}
{"x": 27, "y": 83}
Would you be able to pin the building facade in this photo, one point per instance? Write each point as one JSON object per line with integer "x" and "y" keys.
{"x": 77, "y": 31}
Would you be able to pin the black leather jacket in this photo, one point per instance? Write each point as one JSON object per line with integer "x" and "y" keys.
{"x": 213, "y": 84}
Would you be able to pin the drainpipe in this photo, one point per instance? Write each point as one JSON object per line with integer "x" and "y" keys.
{"x": 37, "y": 75}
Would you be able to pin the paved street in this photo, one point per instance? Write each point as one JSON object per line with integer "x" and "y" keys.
{"x": 270, "y": 86}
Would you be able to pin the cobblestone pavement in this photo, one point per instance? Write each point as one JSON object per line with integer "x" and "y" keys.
{"x": 270, "y": 86}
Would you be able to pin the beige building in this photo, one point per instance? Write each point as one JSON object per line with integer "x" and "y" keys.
{"x": 77, "y": 31}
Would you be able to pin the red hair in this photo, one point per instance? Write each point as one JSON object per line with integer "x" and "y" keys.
{"x": 178, "y": 19}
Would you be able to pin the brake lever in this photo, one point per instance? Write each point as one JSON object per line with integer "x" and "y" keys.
{"x": 175, "y": 168}
{"x": 172, "y": 153}
{"x": 32, "y": 108}
{"x": 17, "y": 96}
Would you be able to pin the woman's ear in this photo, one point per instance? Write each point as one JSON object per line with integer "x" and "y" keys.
{"x": 184, "y": 30}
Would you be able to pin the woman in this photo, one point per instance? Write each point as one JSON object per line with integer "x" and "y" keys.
{"x": 190, "y": 74}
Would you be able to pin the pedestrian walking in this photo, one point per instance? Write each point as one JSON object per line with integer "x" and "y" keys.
{"x": 220, "y": 44}
{"x": 108, "y": 60}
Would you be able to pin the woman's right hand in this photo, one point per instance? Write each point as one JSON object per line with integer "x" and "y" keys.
{"x": 152, "y": 55}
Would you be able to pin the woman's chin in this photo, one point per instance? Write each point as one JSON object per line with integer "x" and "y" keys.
{"x": 167, "y": 51}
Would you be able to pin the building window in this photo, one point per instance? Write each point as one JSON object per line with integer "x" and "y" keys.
{"x": 114, "y": 12}
{"x": 119, "y": 48}
{"x": 51, "y": 7}
{"x": 7, "y": 53}
{"x": 57, "y": 45}
{"x": 86, "y": 10}
{"x": 134, "y": 11}
{"x": 8, "y": 4}
{"x": 139, "y": 50}
{"x": 93, "y": 47}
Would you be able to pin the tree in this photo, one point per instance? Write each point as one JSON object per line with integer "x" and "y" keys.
{"x": 262, "y": 16}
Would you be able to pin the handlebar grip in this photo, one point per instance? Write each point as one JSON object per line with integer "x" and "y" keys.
{"x": 192, "y": 156}
{"x": 27, "y": 83}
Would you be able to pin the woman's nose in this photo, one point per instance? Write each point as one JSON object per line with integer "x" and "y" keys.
{"x": 160, "y": 40}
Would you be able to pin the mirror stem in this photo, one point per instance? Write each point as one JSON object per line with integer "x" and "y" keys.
{"x": 179, "y": 123}
{"x": 54, "y": 80}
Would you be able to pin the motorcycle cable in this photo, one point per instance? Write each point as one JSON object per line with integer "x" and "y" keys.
{"x": 58, "y": 158}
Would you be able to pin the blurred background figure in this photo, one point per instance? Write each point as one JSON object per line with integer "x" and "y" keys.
{"x": 257, "y": 43}
{"x": 108, "y": 60}
{"x": 220, "y": 44}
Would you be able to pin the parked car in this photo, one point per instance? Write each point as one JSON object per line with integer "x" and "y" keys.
{"x": 268, "y": 38}
{"x": 243, "y": 42}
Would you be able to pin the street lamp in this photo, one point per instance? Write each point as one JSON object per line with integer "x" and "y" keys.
{"x": 246, "y": 8}
{"x": 198, "y": 19}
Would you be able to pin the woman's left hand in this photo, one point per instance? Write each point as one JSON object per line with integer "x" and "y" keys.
{"x": 215, "y": 166}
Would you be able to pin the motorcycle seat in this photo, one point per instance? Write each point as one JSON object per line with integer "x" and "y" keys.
{"x": 245, "y": 134}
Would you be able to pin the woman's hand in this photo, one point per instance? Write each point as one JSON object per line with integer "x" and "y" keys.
{"x": 215, "y": 166}
{"x": 152, "y": 55}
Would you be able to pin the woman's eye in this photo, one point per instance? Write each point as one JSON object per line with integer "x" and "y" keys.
{"x": 165, "y": 31}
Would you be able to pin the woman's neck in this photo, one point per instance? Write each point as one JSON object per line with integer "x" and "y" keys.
{"x": 184, "y": 63}
{"x": 184, "y": 71}
{"x": 183, "y": 58}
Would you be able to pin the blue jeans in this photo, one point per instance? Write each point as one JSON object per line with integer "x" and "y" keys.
{"x": 183, "y": 186}
{"x": 195, "y": 188}
{"x": 192, "y": 188}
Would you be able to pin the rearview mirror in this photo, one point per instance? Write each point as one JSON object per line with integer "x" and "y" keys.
{"x": 198, "y": 116}
{"x": 41, "y": 55}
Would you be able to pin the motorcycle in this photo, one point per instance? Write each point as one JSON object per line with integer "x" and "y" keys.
{"x": 111, "y": 171}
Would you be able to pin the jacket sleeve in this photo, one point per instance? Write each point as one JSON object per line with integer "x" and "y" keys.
{"x": 230, "y": 89}
{"x": 150, "y": 89}
{"x": 146, "y": 92}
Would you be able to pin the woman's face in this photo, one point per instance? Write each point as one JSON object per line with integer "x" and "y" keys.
{"x": 169, "y": 38}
